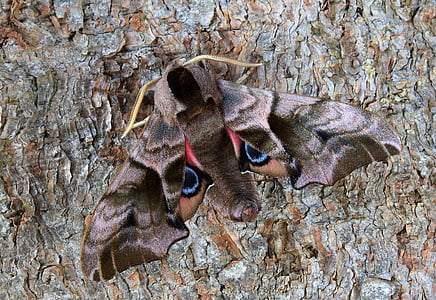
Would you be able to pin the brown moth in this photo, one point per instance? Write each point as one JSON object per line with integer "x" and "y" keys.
{"x": 206, "y": 131}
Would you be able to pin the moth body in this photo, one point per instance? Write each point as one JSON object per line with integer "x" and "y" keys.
{"x": 206, "y": 132}
{"x": 234, "y": 195}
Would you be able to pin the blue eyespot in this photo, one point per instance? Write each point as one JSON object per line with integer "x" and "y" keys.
{"x": 191, "y": 185}
{"x": 255, "y": 156}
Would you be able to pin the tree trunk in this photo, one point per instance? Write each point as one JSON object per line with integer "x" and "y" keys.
{"x": 68, "y": 76}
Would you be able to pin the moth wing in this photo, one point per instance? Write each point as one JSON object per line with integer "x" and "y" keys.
{"x": 315, "y": 140}
{"x": 138, "y": 217}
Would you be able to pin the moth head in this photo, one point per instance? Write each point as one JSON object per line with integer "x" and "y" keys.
{"x": 185, "y": 90}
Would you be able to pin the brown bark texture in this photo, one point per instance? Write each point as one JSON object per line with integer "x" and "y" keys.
{"x": 69, "y": 71}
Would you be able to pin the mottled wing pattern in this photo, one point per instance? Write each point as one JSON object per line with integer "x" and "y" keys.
{"x": 138, "y": 218}
{"x": 316, "y": 140}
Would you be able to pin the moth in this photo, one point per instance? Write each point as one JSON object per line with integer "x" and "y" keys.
{"x": 203, "y": 135}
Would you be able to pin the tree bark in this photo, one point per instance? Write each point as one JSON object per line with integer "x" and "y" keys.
{"x": 67, "y": 75}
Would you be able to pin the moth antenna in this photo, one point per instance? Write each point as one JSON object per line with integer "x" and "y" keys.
{"x": 221, "y": 59}
{"x": 138, "y": 102}
{"x": 141, "y": 123}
